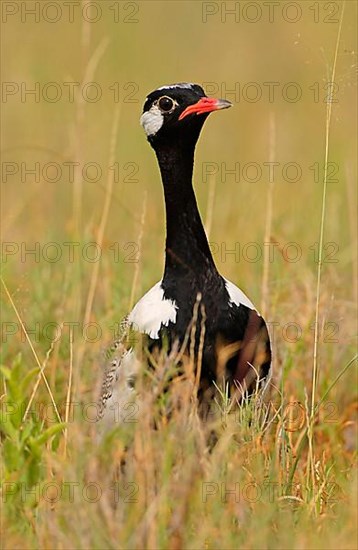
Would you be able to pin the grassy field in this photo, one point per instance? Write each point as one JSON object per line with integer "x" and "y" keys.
{"x": 83, "y": 238}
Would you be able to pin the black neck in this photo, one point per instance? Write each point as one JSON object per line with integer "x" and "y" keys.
{"x": 187, "y": 248}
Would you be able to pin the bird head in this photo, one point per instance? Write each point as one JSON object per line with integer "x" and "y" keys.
{"x": 178, "y": 112}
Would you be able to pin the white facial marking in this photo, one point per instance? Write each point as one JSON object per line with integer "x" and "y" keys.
{"x": 182, "y": 85}
{"x": 153, "y": 311}
{"x": 152, "y": 120}
{"x": 237, "y": 297}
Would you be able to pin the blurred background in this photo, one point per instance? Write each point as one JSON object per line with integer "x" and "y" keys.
{"x": 69, "y": 73}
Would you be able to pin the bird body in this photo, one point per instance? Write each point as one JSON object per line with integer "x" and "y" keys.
{"x": 235, "y": 341}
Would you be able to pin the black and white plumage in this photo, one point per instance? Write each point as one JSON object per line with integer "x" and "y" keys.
{"x": 236, "y": 342}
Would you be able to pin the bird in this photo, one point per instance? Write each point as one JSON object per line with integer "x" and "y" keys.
{"x": 232, "y": 336}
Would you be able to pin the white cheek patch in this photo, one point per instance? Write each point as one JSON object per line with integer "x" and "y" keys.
{"x": 152, "y": 120}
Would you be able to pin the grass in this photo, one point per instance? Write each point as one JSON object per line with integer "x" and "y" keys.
{"x": 280, "y": 476}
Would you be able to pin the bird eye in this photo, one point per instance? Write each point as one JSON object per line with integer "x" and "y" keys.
{"x": 131, "y": 382}
{"x": 166, "y": 104}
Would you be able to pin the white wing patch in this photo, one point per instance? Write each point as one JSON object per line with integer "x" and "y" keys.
{"x": 152, "y": 311}
{"x": 237, "y": 296}
{"x": 152, "y": 120}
